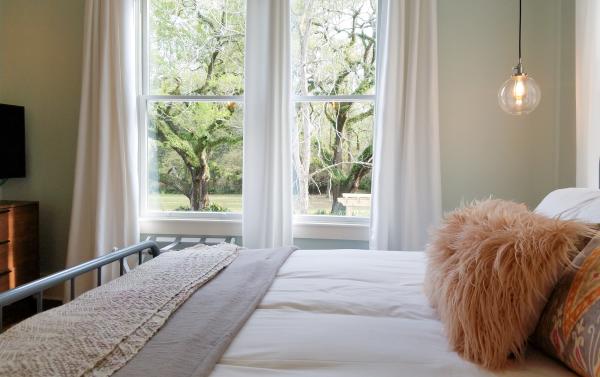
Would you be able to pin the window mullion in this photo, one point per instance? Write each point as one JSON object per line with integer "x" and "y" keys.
{"x": 350, "y": 98}
{"x": 169, "y": 98}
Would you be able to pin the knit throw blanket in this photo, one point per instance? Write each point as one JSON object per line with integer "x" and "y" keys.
{"x": 98, "y": 332}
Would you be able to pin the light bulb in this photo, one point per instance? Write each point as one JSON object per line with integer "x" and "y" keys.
{"x": 519, "y": 89}
{"x": 520, "y": 94}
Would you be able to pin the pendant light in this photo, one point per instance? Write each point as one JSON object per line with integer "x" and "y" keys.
{"x": 520, "y": 94}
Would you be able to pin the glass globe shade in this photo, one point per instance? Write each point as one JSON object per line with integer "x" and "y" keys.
{"x": 520, "y": 94}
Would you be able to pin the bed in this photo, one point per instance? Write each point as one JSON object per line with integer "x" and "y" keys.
{"x": 326, "y": 313}
{"x": 333, "y": 313}
{"x": 340, "y": 313}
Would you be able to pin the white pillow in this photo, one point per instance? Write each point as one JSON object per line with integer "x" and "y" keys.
{"x": 572, "y": 204}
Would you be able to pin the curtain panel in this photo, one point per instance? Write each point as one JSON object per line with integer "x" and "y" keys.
{"x": 105, "y": 199}
{"x": 267, "y": 173}
{"x": 406, "y": 178}
{"x": 406, "y": 191}
{"x": 587, "y": 34}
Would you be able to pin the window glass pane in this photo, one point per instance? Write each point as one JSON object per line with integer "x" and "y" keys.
{"x": 195, "y": 156}
{"x": 333, "y": 46}
{"x": 196, "y": 47}
{"x": 332, "y": 151}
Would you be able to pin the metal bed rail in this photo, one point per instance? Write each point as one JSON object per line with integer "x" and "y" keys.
{"x": 169, "y": 242}
{"x": 37, "y": 287}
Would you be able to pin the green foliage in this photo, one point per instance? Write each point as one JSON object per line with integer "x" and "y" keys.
{"x": 211, "y": 207}
{"x": 214, "y": 207}
{"x": 197, "y": 48}
{"x": 334, "y": 54}
{"x": 339, "y": 40}
{"x": 365, "y": 184}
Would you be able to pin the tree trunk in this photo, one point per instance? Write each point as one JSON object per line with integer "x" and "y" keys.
{"x": 341, "y": 117}
{"x": 196, "y": 191}
{"x": 200, "y": 178}
{"x": 356, "y": 177}
{"x": 336, "y": 206}
{"x": 360, "y": 169}
{"x": 204, "y": 178}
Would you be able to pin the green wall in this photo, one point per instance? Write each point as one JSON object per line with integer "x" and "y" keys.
{"x": 315, "y": 244}
{"x": 484, "y": 151}
{"x": 40, "y": 68}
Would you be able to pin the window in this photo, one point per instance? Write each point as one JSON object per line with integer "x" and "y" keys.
{"x": 192, "y": 105}
{"x": 333, "y": 57}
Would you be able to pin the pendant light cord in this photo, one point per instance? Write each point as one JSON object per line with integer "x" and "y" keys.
{"x": 520, "y": 10}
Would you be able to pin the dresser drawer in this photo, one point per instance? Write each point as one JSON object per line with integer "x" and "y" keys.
{"x": 4, "y": 282}
{"x": 4, "y": 224}
{"x": 18, "y": 226}
{"x": 4, "y": 269}
{"x": 3, "y": 257}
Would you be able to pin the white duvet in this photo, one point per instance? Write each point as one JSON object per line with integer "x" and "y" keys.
{"x": 352, "y": 313}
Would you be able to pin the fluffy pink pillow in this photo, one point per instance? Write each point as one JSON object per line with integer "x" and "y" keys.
{"x": 491, "y": 267}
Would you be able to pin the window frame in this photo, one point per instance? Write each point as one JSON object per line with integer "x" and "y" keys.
{"x": 351, "y": 227}
{"x": 336, "y": 219}
{"x": 144, "y": 98}
{"x": 229, "y": 223}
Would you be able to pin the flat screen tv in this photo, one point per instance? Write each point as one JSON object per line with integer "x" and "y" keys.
{"x": 12, "y": 141}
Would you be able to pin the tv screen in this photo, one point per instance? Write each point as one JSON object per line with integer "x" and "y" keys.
{"x": 12, "y": 141}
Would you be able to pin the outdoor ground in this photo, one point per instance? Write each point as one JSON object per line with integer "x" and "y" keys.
{"x": 319, "y": 204}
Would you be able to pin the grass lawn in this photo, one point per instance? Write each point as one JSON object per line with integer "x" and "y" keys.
{"x": 170, "y": 202}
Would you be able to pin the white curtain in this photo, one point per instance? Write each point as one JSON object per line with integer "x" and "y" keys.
{"x": 588, "y": 92}
{"x": 267, "y": 177}
{"x": 406, "y": 194}
{"x": 105, "y": 200}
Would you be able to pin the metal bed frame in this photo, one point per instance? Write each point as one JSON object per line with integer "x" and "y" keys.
{"x": 37, "y": 287}
{"x": 169, "y": 242}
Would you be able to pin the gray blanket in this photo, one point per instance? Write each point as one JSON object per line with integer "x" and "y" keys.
{"x": 197, "y": 335}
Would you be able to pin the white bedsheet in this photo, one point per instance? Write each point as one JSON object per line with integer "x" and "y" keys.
{"x": 352, "y": 313}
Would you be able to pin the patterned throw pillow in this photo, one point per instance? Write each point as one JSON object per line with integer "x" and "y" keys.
{"x": 569, "y": 328}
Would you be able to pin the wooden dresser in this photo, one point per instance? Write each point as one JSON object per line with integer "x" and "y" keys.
{"x": 19, "y": 256}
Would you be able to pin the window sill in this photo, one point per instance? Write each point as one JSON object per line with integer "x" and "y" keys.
{"x": 352, "y": 229}
{"x": 332, "y": 230}
{"x": 191, "y": 226}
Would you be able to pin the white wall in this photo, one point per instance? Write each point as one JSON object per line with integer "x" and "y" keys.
{"x": 485, "y": 151}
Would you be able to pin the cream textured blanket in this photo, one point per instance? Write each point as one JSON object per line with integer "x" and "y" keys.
{"x": 98, "y": 332}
